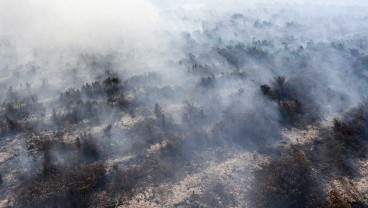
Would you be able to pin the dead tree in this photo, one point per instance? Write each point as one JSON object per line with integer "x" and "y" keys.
{"x": 107, "y": 132}
{"x": 78, "y": 143}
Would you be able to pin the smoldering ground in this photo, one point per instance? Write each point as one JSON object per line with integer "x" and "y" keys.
{"x": 148, "y": 103}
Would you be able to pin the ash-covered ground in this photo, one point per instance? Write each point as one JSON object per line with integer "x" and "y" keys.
{"x": 183, "y": 104}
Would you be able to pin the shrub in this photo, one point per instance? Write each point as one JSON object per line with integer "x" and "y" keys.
{"x": 349, "y": 139}
{"x": 346, "y": 132}
{"x": 112, "y": 85}
{"x": 70, "y": 96}
{"x": 296, "y": 104}
{"x": 240, "y": 54}
{"x": 123, "y": 181}
{"x": 93, "y": 90}
{"x": 47, "y": 167}
{"x": 217, "y": 195}
{"x": 72, "y": 188}
{"x": 89, "y": 149}
{"x": 77, "y": 112}
{"x": 352, "y": 129}
{"x": 335, "y": 200}
{"x": 193, "y": 116}
{"x": 16, "y": 111}
{"x": 207, "y": 82}
{"x": 286, "y": 182}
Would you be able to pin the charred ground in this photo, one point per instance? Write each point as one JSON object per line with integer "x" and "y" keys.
{"x": 252, "y": 112}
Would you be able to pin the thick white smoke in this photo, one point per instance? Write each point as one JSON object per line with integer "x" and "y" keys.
{"x": 90, "y": 24}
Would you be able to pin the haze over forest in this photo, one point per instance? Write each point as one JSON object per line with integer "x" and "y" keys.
{"x": 207, "y": 103}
